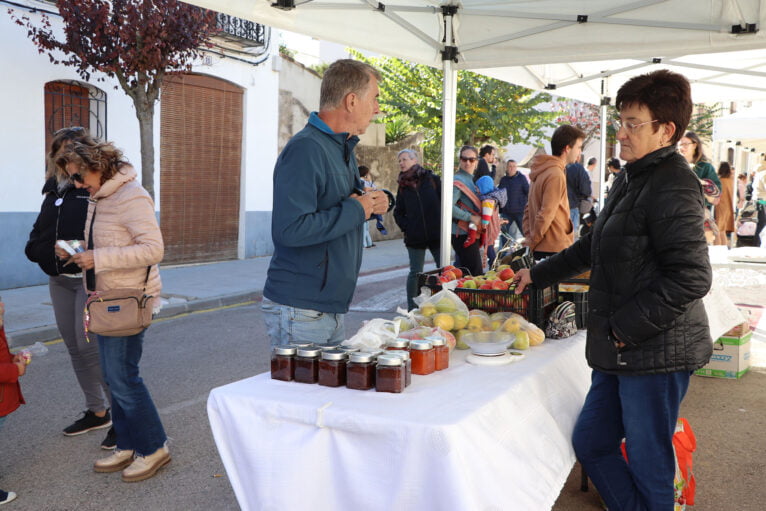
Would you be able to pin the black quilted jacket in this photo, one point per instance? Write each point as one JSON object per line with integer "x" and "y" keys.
{"x": 649, "y": 271}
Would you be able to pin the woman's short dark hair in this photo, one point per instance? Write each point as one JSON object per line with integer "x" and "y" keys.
{"x": 666, "y": 94}
{"x": 487, "y": 149}
{"x": 363, "y": 170}
{"x": 699, "y": 152}
{"x": 92, "y": 156}
{"x": 468, "y": 148}
{"x": 724, "y": 169}
{"x": 613, "y": 163}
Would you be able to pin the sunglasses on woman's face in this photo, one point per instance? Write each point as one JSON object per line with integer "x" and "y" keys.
{"x": 76, "y": 178}
{"x": 469, "y": 159}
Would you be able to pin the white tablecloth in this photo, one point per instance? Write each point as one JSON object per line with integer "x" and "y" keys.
{"x": 466, "y": 438}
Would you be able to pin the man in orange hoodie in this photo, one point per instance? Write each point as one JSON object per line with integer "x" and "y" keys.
{"x": 547, "y": 226}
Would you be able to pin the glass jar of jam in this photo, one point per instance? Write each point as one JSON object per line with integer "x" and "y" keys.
{"x": 398, "y": 344}
{"x": 283, "y": 363}
{"x": 332, "y": 368}
{"x": 442, "y": 351}
{"x": 307, "y": 364}
{"x": 360, "y": 371}
{"x": 423, "y": 357}
{"x": 407, "y": 361}
{"x": 389, "y": 374}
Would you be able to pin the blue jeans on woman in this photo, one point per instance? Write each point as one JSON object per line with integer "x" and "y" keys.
{"x": 643, "y": 409}
{"x": 417, "y": 260}
{"x": 134, "y": 416}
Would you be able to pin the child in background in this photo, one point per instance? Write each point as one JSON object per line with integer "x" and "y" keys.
{"x": 492, "y": 200}
{"x": 12, "y": 367}
{"x": 364, "y": 173}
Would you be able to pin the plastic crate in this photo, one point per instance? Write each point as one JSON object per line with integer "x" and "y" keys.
{"x": 580, "y": 299}
{"x": 534, "y": 304}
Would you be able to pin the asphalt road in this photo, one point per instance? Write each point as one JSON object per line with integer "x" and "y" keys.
{"x": 186, "y": 356}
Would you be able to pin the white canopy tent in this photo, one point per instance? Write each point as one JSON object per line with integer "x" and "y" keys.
{"x": 511, "y": 39}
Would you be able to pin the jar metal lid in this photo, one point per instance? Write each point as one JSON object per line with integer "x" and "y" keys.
{"x": 334, "y": 355}
{"x": 301, "y": 344}
{"x": 361, "y": 357}
{"x": 285, "y": 350}
{"x": 421, "y": 345}
{"x": 309, "y": 351}
{"x": 403, "y": 354}
{"x": 348, "y": 349}
{"x": 436, "y": 340}
{"x": 389, "y": 360}
{"x": 398, "y": 343}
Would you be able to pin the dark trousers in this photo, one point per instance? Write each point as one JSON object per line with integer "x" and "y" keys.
{"x": 643, "y": 409}
{"x": 469, "y": 257}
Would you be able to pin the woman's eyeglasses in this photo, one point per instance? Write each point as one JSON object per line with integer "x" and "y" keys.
{"x": 630, "y": 127}
{"x": 684, "y": 144}
{"x": 471, "y": 160}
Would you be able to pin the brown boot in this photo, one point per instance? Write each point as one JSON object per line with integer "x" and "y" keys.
{"x": 117, "y": 461}
{"x": 144, "y": 467}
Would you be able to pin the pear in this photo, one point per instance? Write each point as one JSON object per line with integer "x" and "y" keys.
{"x": 522, "y": 341}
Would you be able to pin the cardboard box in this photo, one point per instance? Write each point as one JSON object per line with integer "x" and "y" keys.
{"x": 731, "y": 358}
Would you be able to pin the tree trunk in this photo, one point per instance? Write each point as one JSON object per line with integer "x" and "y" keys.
{"x": 145, "y": 114}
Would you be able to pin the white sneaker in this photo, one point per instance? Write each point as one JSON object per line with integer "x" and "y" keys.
{"x": 144, "y": 467}
{"x": 9, "y": 496}
{"x": 114, "y": 463}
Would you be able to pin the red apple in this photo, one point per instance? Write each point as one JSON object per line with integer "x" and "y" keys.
{"x": 500, "y": 285}
{"x": 486, "y": 285}
{"x": 506, "y": 274}
{"x": 457, "y": 271}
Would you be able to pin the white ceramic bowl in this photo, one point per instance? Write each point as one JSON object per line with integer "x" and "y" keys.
{"x": 488, "y": 343}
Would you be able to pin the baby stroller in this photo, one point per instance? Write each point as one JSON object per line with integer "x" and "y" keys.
{"x": 747, "y": 222}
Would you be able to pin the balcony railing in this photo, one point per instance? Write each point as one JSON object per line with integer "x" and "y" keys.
{"x": 247, "y": 33}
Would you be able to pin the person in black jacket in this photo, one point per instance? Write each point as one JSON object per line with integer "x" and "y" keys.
{"x": 647, "y": 326}
{"x": 486, "y": 166}
{"x": 62, "y": 217}
{"x": 418, "y": 215}
{"x": 517, "y": 188}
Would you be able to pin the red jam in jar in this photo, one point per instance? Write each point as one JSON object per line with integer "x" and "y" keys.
{"x": 407, "y": 361}
{"x": 389, "y": 374}
{"x": 283, "y": 363}
{"x": 423, "y": 357}
{"x": 442, "y": 351}
{"x": 360, "y": 371}
{"x": 332, "y": 368}
{"x": 307, "y": 364}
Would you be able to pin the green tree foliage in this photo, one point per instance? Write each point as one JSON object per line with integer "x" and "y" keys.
{"x": 488, "y": 110}
{"x": 701, "y": 122}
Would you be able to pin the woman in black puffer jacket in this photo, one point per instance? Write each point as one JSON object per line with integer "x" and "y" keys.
{"x": 418, "y": 215}
{"x": 62, "y": 217}
{"x": 647, "y": 327}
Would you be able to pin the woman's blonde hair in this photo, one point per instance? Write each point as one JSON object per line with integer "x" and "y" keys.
{"x": 61, "y": 138}
{"x": 90, "y": 156}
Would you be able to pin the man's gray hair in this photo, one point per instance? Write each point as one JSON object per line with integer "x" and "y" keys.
{"x": 343, "y": 77}
{"x": 413, "y": 154}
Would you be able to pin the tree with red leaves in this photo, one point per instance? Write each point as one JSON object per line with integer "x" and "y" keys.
{"x": 137, "y": 42}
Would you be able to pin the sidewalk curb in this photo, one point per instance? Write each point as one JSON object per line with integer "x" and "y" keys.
{"x": 21, "y": 338}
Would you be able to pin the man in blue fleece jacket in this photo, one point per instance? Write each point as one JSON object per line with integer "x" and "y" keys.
{"x": 318, "y": 213}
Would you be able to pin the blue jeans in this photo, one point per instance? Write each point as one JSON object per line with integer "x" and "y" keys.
{"x": 642, "y": 409}
{"x": 286, "y": 324}
{"x": 134, "y": 416}
{"x": 366, "y": 238}
{"x": 574, "y": 214}
{"x": 417, "y": 259}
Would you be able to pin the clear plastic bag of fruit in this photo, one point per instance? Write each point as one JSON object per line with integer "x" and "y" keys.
{"x": 373, "y": 334}
{"x": 443, "y": 309}
{"x": 527, "y": 334}
{"x": 423, "y": 332}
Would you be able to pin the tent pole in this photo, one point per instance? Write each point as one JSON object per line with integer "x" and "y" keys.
{"x": 602, "y": 146}
{"x": 449, "y": 107}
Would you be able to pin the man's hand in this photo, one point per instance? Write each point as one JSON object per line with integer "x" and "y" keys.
{"x": 374, "y": 203}
{"x": 522, "y": 279}
{"x": 84, "y": 260}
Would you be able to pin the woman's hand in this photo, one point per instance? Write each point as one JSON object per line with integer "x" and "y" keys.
{"x": 476, "y": 219}
{"x": 522, "y": 279}
{"x": 84, "y": 260}
{"x": 60, "y": 252}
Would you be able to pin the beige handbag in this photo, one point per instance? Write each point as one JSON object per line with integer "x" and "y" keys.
{"x": 117, "y": 312}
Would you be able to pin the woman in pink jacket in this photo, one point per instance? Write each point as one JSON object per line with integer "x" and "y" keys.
{"x": 125, "y": 241}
